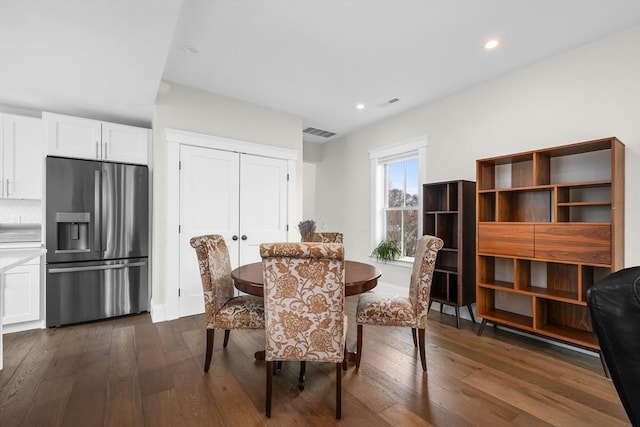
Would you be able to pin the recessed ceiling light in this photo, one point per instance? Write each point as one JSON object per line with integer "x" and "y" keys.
{"x": 360, "y": 106}
{"x": 491, "y": 44}
{"x": 190, "y": 49}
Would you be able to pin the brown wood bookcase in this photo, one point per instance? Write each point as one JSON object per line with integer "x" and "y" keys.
{"x": 449, "y": 213}
{"x": 550, "y": 224}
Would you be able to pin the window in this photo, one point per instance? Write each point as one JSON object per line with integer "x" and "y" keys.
{"x": 397, "y": 174}
{"x": 401, "y": 204}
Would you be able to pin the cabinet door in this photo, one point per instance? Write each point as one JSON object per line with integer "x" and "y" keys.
{"x": 123, "y": 143}
{"x": 22, "y": 157}
{"x": 512, "y": 239}
{"x": 209, "y": 204}
{"x": 21, "y": 294}
{"x": 574, "y": 242}
{"x": 263, "y": 204}
{"x": 72, "y": 136}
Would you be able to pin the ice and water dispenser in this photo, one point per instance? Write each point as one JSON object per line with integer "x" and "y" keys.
{"x": 73, "y": 232}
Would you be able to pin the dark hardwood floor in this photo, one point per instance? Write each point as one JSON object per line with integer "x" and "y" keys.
{"x": 131, "y": 372}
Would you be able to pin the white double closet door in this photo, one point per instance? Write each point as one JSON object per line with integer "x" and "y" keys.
{"x": 242, "y": 197}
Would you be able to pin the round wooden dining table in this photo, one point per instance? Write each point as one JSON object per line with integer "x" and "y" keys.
{"x": 359, "y": 277}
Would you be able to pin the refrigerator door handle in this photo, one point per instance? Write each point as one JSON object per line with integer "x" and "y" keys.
{"x": 134, "y": 264}
{"x": 96, "y": 212}
{"x": 97, "y": 267}
{"x": 92, "y": 268}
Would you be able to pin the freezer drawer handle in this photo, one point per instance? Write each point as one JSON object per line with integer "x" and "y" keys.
{"x": 96, "y": 267}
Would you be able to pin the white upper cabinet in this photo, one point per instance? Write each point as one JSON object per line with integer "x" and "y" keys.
{"x": 22, "y": 157}
{"x": 124, "y": 143}
{"x": 77, "y": 137}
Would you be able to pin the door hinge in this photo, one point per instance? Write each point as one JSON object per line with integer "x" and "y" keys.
{"x": 179, "y": 164}
{"x": 178, "y": 292}
{"x": 179, "y": 229}
{"x": 287, "y": 227}
{"x": 287, "y": 177}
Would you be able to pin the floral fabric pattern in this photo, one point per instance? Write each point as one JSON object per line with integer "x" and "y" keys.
{"x": 304, "y": 301}
{"x": 327, "y": 237}
{"x": 222, "y": 309}
{"x": 390, "y": 310}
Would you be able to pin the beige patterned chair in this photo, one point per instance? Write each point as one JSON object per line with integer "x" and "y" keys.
{"x": 304, "y": 307}
{"x": 390, "y": 310}
{"x": 222, "y": 309}
{"x": 327, "y": 237}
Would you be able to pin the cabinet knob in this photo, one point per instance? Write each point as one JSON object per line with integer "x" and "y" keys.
{"x": 234, "y": 237}
{"x": 244, "y": 237}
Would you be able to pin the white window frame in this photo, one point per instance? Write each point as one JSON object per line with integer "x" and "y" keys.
{"x": 379, "y": 157}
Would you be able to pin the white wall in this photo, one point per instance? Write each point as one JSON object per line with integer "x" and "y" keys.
{"x": 586, "y": 93}
{"x": 185, "y": 108}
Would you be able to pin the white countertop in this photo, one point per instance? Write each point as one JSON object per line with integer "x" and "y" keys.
{"x": 11, "y": 257}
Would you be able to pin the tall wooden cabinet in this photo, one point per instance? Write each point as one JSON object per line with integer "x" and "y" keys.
{"x": 550, "y": 224}
{"x": 449, "y": 213}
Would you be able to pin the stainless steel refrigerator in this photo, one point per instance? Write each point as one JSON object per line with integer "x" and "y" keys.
{"x": 97, "y": 240}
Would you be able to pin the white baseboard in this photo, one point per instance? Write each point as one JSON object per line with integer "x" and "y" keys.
{"x": 22, "y": 326}
{"x": 159, "y": 313}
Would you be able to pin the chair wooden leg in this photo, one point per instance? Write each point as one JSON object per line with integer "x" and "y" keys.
{"x": 415, "y": 339}
{"x": 338, "y": 391}
{"x": 303, "y": 368}
{"x": 344, "y": 359}
{"x": 269, "y": 370}
{"x": 423, "y": 356}
{"x": 209, "y": 351}
{"x": 359, "y": 346}
{"x": 226, "y": 338}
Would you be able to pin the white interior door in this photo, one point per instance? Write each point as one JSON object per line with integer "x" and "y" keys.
{"x": 209, "y": 204}
{"x": 263, "y": 204}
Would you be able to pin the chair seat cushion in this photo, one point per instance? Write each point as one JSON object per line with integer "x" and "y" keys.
{"x": 243, "y": 312}
{"x": 385, "y": 310}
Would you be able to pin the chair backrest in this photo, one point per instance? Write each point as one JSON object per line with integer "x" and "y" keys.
{"x": 303, "y": 301}
{"x": 423, "y": 265}
{"x": 215, "y": 272}
{"x": 614, "y": 304}
{"x": 327, "y": 237}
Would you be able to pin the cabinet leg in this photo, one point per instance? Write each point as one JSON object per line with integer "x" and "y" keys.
{"x": 473, "y": 319}
{"x": 605, "y": 368}
{"x": 441, "y": 307}
{"x": 482, "y": 325}
{"x": 457, "y": 317}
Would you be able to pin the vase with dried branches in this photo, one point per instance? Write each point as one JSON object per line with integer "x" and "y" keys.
{"x": 307, "y": 228}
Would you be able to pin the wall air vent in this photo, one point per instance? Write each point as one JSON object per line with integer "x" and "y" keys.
{"x": 319, "y": 132}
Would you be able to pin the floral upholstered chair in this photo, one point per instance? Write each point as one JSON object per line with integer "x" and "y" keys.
{"x": 222, "y": 309}
{"x": 304, "y": 307}
{"x": 327, "y": 237}
{"x": 390, "y": 310}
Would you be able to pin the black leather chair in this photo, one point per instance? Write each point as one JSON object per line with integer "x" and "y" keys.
{"x": 614, "y": 304}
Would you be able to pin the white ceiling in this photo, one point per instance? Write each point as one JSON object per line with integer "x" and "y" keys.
{"x": 316, "y": 59}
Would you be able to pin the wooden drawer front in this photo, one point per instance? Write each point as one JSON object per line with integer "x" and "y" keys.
{"x": 587, "y": 243}
{"x": 511, "y": 239}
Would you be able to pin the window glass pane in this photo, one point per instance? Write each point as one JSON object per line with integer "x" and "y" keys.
{"x": 410, "y": 232}
{"x": 412, "y": 183}
{"x": 395, "y": 184}
{"x": 394, "y": 226}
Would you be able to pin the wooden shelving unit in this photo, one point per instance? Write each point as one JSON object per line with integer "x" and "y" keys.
{"x": 550, "y": 224}
{"x": 449, "y": 213}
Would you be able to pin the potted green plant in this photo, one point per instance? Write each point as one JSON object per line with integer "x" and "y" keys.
{"x": 387, "y": 250}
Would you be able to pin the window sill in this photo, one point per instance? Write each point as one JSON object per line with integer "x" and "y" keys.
{"x": 406, "y": 262}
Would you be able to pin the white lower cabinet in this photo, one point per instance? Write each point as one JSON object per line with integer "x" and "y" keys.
{"x": 21, "y": 302}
